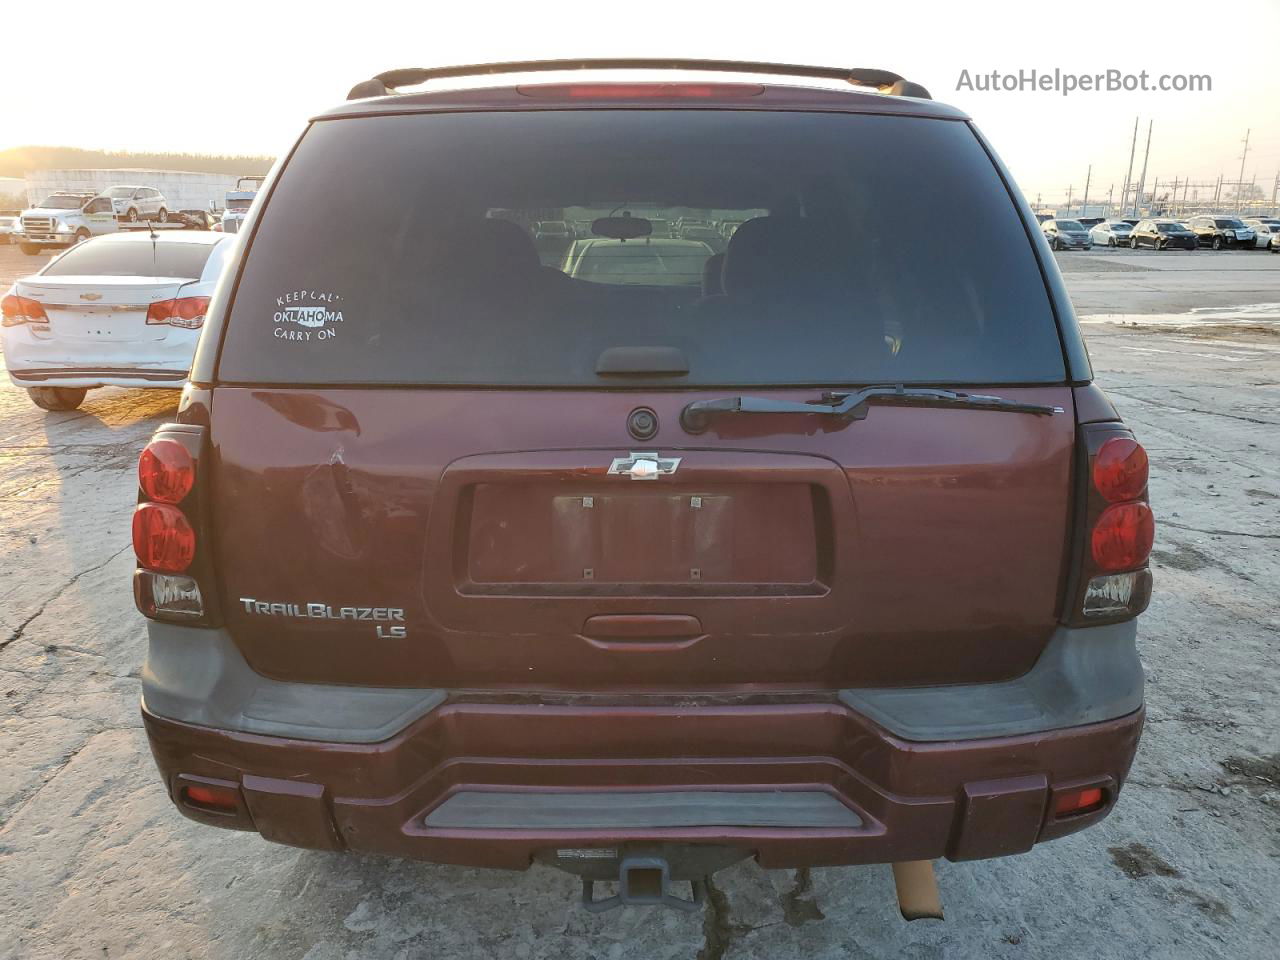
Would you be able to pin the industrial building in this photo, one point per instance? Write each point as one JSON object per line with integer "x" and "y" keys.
{"x": 184, "y": 190}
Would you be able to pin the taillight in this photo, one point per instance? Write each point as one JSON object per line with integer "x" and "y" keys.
{"x": 1120, "y": 469}
{"x": 16, "y": 310}
{"x": 166, "y": 471}
{"x": 174, "y": 579}
{"x": 1122, "y": 536}
{"x": 1116, "y": 528}
{"x": 185, "y": 312}
{"x": 163, "y": 538}
{"x": 639, "y": 91}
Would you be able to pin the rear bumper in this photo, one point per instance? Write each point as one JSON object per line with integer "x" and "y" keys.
{"x": 48, "y": 361}
{"x": 484, "y": 781}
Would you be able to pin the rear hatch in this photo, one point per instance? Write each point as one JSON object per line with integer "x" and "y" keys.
{"x": 425, "y": 436}
{"x": 101, "y": 309}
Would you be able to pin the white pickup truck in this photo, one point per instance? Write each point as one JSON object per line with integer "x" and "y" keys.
{"x": 63, "y": 219}
{"x": 239, "y": 201}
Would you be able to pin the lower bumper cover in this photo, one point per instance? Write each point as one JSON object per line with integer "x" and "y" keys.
{"x": 471, "y": 781}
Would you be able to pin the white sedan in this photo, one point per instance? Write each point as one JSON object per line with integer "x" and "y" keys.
{"x": 120, "y": 310}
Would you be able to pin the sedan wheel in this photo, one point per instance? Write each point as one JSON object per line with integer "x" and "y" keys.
{"x": 56, "y": 398}
{"x": 1111, "y": 241}
{"x": 163, "y": 216}
{"x": 132, "y": 215}
{"x": 1217, "y": 243}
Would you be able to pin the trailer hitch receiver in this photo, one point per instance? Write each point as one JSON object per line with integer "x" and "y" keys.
{"x": 643, "y": 881}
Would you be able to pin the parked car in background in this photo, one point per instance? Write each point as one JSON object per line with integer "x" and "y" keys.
{"x": 1089, "y": 222}
{"x": 134, "y": 203}
{"x": 1162, "y": 234}
{"x": 1066, "y": 235}
{"x": 1266, "y": 230}
{"x": 63, "y": 219}
{"x": 1219, "y": 232}
{"x": 552, "y": 230}
{"x": 622, "y": 577}
{"x": 123, "y": 310}
{"x": 1111, "y": 233}
{"x": 10, "y": 225}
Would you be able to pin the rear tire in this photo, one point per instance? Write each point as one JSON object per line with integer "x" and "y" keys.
{"x": 82, "y": 235}
{"x": 1217, "y": 243}
{"x": 163, "y": 215}
{"x": 30, "y": 249}
{"x": 132, "y": 215}
{"x": 57, "y": 398}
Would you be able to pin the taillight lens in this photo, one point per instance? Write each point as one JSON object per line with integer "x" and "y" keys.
{"x": 16, "y": 310}
{"x": 166, "y": 471}
{"x": 185, "y": 312}
{"x": 162, "y": 538}
{"x": 1122, "y": 536}
{"x": 1120, "y": 469}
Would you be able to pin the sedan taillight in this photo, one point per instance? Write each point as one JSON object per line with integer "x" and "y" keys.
{"x": 185, "y": 312}
{"x": 16, "y": 310}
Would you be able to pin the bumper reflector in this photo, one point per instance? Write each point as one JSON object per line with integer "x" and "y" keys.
{"x": 211, "y": 797}
{"x": 1078, "y": 801}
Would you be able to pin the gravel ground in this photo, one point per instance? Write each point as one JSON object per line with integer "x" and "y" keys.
{"x": 95, "y": 864}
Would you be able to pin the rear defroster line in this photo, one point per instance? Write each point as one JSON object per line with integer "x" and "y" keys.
{"x": 696, "y": 416}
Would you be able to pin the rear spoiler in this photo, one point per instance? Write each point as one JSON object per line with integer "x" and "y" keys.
{"x": 882, "y": 80}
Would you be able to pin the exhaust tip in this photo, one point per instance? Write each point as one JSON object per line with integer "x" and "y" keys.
{"x": 917, "y": 887}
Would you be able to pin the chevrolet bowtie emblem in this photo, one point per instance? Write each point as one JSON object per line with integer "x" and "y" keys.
{"x": 643, "y": 466}
{"x": 90, "y": 296}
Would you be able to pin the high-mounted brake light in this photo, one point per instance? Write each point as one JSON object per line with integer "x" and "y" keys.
{"x": 166, "y": 471}
{"x": 1120, "y": 469}
{"x": 639, "y": 91}
{"x": 162, "y": 538}
{"x": 16, "y": 310}
{"x": 185, "y": 312}
{"x": 1122, "y": 536}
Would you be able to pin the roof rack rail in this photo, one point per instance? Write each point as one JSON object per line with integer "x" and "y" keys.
{"x": 882, "y": 80}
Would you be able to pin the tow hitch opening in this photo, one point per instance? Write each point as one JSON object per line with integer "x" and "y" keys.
{"x": 643, "y": 881}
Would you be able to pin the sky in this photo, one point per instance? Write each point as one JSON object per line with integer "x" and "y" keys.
{"x": 244, "y": 77}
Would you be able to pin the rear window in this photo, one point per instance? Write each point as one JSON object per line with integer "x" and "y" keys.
{"x": 777, "y": 252}
{"x": 132, "y": 259}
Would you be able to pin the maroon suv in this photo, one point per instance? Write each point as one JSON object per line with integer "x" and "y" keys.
{"x": 634, "y": 553}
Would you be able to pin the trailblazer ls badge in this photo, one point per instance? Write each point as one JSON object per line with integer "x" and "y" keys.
{"x": 388, "y": 620}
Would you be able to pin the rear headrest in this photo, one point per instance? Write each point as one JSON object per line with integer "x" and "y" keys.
{"x": 712, "y": 279}
{"x": 505, "y": 246}
{"x": 784, "y": 254}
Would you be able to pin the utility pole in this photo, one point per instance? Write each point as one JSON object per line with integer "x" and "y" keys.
{"x": 1155, "y": 188}
{"x": 1240, "y": 182}
{"x": 1124, "y": 193}
{"x": 1275, "y": 189}
{"x": 1084, "y": 204}
{"x": 1142, "y": 181}
{"x": 1111, "y": 190}
{"x": 1068, "y": 213}
{"x": 1217, "y": 190}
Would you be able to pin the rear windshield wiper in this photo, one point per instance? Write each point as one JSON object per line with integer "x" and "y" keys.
{"x": 853, "y": 406}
